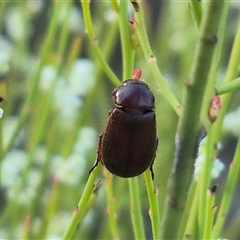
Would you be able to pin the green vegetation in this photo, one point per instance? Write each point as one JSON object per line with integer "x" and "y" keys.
{"x": 59, "y": 62}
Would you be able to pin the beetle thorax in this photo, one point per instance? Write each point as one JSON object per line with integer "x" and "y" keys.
{"x": 132, "y": 95}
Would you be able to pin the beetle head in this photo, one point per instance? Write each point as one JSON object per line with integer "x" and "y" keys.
{"x": 134, "y": 94}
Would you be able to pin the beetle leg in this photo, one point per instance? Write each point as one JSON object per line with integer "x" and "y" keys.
{"x": 99, "y": 155}
{"x": 156, "y": 146}
{"x": 151, "y": 167}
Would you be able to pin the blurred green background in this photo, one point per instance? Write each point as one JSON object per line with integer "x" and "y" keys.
{"x": 56, "y": 101}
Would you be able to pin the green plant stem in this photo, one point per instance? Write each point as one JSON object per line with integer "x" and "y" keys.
{"x": 188, "y": 223}
{"x": 152, "y": 61}
{"x": 153, "y": 200}
{"x": 115, "y": 5}
{"x": 127, "y": 51}
{"x": 111, "y": 209}
{"x": 135, "y": 209}
{"x": 94, "y": 42}
{"x": 189, "y": 124}
{"x": 232, "y": 72}
{"x": 191, "y": 230}
{"x": 212, "y": 77}
{"x": 83, "y": 203}
{"x": 228, "y": 87}
{"x": 204, "y": 182}
{"x": 87, "y": 108}
{"x": 196, "y": 7}
{"x": 210, "y": 197}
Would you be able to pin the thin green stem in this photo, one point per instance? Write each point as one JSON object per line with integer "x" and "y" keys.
{"x": 83, "y": 203}
{"x": 127, "y": 51}
{"x": 115, "y": 5}
{"x": 152, "y": 61}
{"x": 136, "y": 214}
{"x": 191, "y": 230}
{"x": 189, "y": 122}
{"x": 111, "y": 209}
{"x": 232, "y": 72}
{"x": 196, "y": 8}
{"x": 212, "y": 77}
{"x": 210, "y": 197}
{"x": 87, "y": 108}
{"x": 204, "y": 182}
{"x": 228, "y": 87}
{"x": 94, "y": 42}
{"x": 153, "y": 200}
{"x": 188, "y": 223}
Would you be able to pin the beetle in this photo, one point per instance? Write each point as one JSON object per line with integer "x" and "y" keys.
{"x": 128, "y": 145}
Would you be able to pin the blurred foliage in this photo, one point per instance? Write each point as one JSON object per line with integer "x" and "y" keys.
{"x": 56, "y": 101}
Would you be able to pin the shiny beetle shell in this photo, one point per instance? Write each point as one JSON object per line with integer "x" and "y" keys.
{"x": 128, "y": 145}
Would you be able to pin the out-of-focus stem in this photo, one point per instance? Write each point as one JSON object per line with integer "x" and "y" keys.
{"x": 189, "y": 123}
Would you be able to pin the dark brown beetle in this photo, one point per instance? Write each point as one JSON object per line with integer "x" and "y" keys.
{"x": 128, "y": 145}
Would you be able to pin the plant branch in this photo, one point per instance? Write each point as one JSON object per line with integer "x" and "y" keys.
{"x": 189, "y": 123}
{"x": 127, "y": 50}
{"x": 152, "y": 61}
{"x": 232, "y": 72}
{"x": 135, "y": 210}
{"x": 228, "y": 87}
{"x": 196, "y": 7}
{"x": 153, "y": 201}
{"x": 80, "y": 210}
{"x": 94, "y": 42}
